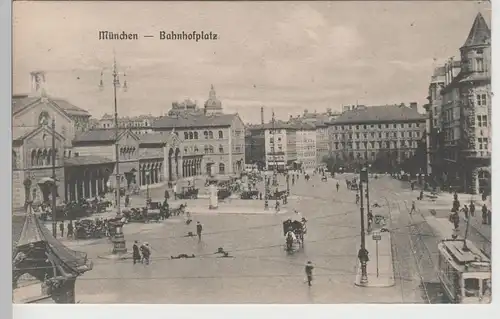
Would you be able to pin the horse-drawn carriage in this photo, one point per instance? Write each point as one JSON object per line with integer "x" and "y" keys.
{"x": 250, "y": 195}
{"x": 294, "y": 232}
{"x": 87, "y": 228}
{"x": 277, "y": 195}
{"x": 142, "y": 215}
{"x": 189, "y": 192}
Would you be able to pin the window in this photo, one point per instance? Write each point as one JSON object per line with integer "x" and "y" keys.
{"x": 393, "y": 125}
{"x": 372, "y": 126}
{"x": 480, "y": 65}
{"x": 402, "y": 125}
{"x": 222, "y": 168}
{"x": 206, "y": 134}
{"x": 380, "y": 135}
{"x": 211, "y": 135}
{"x": 357, "y": 135}
{"x": 481, "y": 99}
{"x": 357, "y": 145}
{"x": 221, "y": 135}
{"x": 364, "y": 126}
{"x": 485, "y": 121}
{"x": 380, "y": 126}
{"x": 373, "y": 134}
{"x": 387, "y": 126}
{"x": 221, "y": 149}
{"x": 186, "y": 135}
{"x": 365, "y": 135}
{"x": 357, "y": 127}
{"x": 195, "y": 135}
{"x": 372, "y": 144}
{"x": 196, "y": 149}
{"x": 206, "y": 149}
{"x": 191, "y": 136}
{"x": 211, "y": 149}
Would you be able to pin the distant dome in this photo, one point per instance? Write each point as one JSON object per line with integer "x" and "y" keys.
{"x": 212, "y": 102}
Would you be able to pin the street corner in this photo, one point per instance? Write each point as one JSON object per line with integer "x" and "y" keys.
{"x": 379, "y": 268}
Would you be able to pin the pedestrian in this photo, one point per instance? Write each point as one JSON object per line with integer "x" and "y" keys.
{"x": 309, "y": 272}
{"x": 136, "y": 254}
{"x": 277, "y": 206}
{"x": 466, "y": 211}
{"x": 70, "y": 229}
{"x": 338, "y": 185}
{"x": 413, "y": 208}
{"x": 260, "y": 195}
{"x": 146, "y": 253}
{"x": 421, "y": 197}
{"x": 357, "y": 198}
{"x": 412, "y": 184}
{"x": 199, "y": 229}
{"x": 485, "y": 214}
{"x": 61, "y": 228}
{"x": 488, "y": 217}
{"x": 472, "y": 208}
{"x": 127, "y": 200}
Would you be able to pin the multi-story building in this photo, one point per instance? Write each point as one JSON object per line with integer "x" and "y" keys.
{"x": 306, "y": 146}
{"x": 216, "y": 140}
{"x": 465, "y": 117}
{"x": 141, "y": 124}
{"x": 187, "y": 106}
{"x": 386, "y": 136}
{"x": 273, "y": 146}
{"x": 32, "y": 117}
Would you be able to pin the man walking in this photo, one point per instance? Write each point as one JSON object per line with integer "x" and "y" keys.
{"x": 70, "y": 229}
{"x": 309, "y": 272}
{"x": 413, "y": 208}
{"x": 338, "y": 185}
{"x": 61, "y": 228}
{"x": 357, "y": 198}
{"x": 136, "y": 254}
{"x": 199, "y": 229}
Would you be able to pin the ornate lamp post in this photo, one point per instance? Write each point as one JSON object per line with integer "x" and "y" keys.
{"x": 119, "y": 247}
{"x": 363, "y": 253}
{"x": 147, "y": 186}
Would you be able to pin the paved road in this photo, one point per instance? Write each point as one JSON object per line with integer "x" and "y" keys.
{"x": 260, "y": 270}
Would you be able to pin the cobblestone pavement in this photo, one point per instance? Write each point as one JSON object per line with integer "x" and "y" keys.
{"x": 260, "y": 271}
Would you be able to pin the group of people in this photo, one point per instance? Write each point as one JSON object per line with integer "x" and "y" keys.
{"x": 141, "y": 253}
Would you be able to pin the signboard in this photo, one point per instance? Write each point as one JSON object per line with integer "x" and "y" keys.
{"x": 376, "y": 236}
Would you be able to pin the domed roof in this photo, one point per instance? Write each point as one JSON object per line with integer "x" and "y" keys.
{"x": 213, "y": 102}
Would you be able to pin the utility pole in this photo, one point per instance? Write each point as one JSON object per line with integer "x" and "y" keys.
{"x": 54, "y": 185}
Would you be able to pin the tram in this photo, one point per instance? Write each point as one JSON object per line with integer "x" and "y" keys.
{"x": 464, "y": 272}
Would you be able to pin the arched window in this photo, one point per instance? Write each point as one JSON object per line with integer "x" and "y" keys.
{"x": 211, "y": 135}
{"x": 211, "y": 149}
{"x": 43, "y": 118}
{"x": 14, "y": 159}
{"x": 191, "y": 135}
{"x": 221, "y": 149}
{"x": 222, "y": 168}
{"x": 195, "y": 135}
{"x": 196, "y": 149}
{"x": 206, "y": 134}
{"x": 33, "y": 158}
{"x": 206, "y": 149}
{"x": 44, "y": 157}
{"x": 49, "y": 157}
{"x": 221, "y": 135}
{"x": 186, "y": 135}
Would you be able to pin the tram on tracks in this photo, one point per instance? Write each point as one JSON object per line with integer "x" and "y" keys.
{"x": 464, "y": 272}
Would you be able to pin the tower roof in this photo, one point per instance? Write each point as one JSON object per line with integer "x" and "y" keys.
{"x": 213, "y": 102}
{"x": 480, "y": 33}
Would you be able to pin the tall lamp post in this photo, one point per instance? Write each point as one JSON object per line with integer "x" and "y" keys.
{"x": 54, "y": 185}
{"x": 363, "y": 254}
{"x": 275, "y": 171}
{"x": 119, "y": 247}
{"x": 368, "y": 189}
{"x": 147, "y": 186}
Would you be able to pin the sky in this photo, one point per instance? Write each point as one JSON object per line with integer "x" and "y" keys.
{"x": 285, "y": 56}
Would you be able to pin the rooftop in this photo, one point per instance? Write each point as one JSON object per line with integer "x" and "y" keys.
{"x": 22, "y": 101}
{"x": 480, "y": 33}
{"x": 98, "y": 135}
{"x": 194, "y": 120}
{"x": 86, "y": 160}
{"x": 382, "y": 113}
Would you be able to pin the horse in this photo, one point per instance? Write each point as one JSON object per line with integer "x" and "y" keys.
{"x": 289, "y": 240}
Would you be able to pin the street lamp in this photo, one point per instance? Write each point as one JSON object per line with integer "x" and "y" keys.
{"x": 147, "y": 187}
{"x": 119, "y": 247}
{"x": 363, "y": 254}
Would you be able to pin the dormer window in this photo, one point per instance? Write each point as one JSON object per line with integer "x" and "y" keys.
{"x": 43, "y": 119}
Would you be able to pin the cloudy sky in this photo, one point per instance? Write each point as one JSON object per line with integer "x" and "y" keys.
{"x": 285, "y": 56}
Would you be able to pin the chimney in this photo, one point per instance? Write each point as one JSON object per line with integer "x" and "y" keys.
{"x": 38, "y": 83}
{"x": 262, "y": 115}
{"x": 413, "y": 106}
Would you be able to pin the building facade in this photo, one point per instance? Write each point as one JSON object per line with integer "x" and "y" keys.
{"x": 218, "y": 140}
{"x": 306, "y": 146}
{"x": 385, "y": 136}
{"x": 465, "y": 116}
{"x": 273, "y": 146}
{"x": 32, "y": 151}
{"x": 139, "y": 125}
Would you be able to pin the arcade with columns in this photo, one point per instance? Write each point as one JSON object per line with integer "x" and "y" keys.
{"x": 86, "y": 182}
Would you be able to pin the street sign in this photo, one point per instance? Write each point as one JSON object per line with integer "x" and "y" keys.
{"x": 376, "y": 236}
